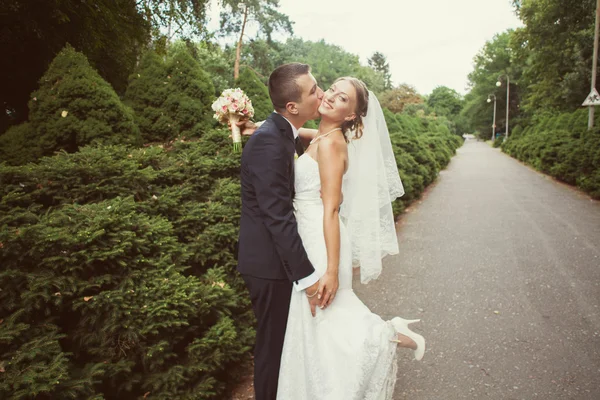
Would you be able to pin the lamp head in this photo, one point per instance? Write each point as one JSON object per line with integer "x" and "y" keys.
{"x": 489, "y": 100}
{"x": 498, "y": 83}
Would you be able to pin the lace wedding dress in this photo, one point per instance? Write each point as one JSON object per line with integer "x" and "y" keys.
{"x": 344, "y": 353}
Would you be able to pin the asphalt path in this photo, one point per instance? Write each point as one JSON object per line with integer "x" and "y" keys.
{"x": 502, "y": 265}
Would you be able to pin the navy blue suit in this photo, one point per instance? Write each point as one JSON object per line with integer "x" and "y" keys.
{"x": 270, "y": 252}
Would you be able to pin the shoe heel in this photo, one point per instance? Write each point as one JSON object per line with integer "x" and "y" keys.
{"x": 401, "y": 326}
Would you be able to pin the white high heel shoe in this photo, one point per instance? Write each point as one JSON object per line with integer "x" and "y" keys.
{"x": 401, "y": 326}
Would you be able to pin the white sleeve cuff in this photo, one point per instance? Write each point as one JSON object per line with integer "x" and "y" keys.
{"x": 307, "y": 282}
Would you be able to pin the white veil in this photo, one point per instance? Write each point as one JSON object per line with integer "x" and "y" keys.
{"x": 370, "y": 185}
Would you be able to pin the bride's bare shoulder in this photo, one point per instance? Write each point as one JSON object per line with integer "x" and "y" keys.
{"x": 333, "y": 153}
{"x": 332, "y": 145}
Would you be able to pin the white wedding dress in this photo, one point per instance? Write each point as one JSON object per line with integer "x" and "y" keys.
{"x": 345, "y": 352}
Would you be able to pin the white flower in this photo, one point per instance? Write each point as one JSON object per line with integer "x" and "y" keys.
{"x": 64, "y": 113}
{"x": 232, "y": 101}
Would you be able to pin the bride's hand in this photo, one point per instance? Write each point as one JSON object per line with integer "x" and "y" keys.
{"x": 246, "y": 126}
{"x": 311, "y": 296}
{"x": 328, "y": 287}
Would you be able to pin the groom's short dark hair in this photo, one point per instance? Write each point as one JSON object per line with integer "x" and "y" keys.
{"x": 282, "y": 84}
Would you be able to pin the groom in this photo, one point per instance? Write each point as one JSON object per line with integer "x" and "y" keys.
{"x": 271, "y": 257}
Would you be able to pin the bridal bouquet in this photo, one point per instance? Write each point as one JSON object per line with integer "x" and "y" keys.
{"x": 231, "y": 106}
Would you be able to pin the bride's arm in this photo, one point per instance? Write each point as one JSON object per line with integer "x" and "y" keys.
{"x": 332, "y": 159}
{"x": 306, "y": 135}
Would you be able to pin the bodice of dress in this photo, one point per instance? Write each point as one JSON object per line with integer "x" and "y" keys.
{"x": 307, "y": 180}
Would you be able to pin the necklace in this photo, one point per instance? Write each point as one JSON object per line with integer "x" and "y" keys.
{"x": 325, "y": 134}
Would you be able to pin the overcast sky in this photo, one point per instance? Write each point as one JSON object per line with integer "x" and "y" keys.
{"x": 427, "y": 43}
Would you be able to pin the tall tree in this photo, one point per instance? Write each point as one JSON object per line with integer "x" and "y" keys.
{"x": 445, "y": 101}
{"x": 556, "y": 50}
{"x": 493, "y": 60}
{"x": 238, "y": 14}
{"x": 169, "y": 19}
{"x": 379, "y": 63}
{"x": 397, "y": 98}
{"x": 327, "y": 61}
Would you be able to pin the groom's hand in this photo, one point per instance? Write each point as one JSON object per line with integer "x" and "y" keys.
{"x": 312, "y": 297}
{"x": 328, "y": 287}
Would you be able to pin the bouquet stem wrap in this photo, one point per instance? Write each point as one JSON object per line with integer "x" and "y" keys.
{"x": 236, "y": 134}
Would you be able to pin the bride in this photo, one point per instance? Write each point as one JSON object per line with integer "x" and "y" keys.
{"x": 345, "y": 352}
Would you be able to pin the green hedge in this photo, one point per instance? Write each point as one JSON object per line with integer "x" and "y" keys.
{"x": 423, "y": 146}
{"x": 118, "y": 273}
{"x": 560, "y": 145}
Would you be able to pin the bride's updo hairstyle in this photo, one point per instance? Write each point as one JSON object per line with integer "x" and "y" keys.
{"x": 362, "y": 104}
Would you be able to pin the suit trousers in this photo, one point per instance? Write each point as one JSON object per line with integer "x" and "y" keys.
{"x": 270, "y": 302}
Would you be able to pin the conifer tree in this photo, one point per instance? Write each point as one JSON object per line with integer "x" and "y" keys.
{"x": 171, "y": 99}
{"x": 117, "y": 264}
{"x": 191, "y": 94}
{"x": 257, "y": 91}
{"x": 146, "y": 93}
{"x": 74, "y": 106}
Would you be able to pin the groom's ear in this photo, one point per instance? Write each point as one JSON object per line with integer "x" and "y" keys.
{"x": 292, "y": 108}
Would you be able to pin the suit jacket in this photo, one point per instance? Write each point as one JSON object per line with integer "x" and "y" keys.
{"x": 269, "y": 244}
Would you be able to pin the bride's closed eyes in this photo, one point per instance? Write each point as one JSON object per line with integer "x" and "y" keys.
{"x": 342, "y": 96}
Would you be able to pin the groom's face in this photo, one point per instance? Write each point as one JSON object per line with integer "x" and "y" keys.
{"x": 312, "y": 95}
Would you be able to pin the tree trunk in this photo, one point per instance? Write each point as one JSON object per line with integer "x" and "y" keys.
{"x": 238, "y": 51}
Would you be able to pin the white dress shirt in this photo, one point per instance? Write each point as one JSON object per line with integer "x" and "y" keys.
{"x": 310, "y": 280}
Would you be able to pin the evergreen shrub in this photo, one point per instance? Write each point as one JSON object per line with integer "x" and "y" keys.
{"x": 498, "y": 141}
{"x": 422, "y": 146}
{"x": 257, "y": 91}
{"x": 171, "y": 98}
{"x": 571, "y": 155}
{"x": 118, "y": 273}
{"x": 73, "y": 107}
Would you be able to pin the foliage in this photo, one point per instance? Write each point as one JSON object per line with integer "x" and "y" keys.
{"x": 490, "y": 63}
{"x": 191, "y": 95}
{"x": 16, "y": 145}
{"x": 422, "y": 146}
{"x": 109, "y": 33}
{"x": 170, "y": 18}
{"x": 448, "y": 103}
{"x": 328, "y": 62}
{"x": 395, "y": 99}
{"x": 146, "y": 94}
{"x": 379, "y": 64}
{"x": 237, "y": 14}
{"x": 118, "y": 273}
{"x": 257, "y": 92}
{"x": 171, "y": 98}
{"x": 555, "y": 50}
{"x": 570, "y": 155}
{"x": 445, "y": 101}
{"x": 498, "y": 141}
{"x": 73, "y": 107}
{"x": 264, "y": 13}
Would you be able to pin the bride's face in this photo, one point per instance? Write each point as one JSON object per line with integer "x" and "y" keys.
{"x": 339, "y": 102}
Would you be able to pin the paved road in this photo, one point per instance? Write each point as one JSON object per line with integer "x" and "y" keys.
{"x": 502, "y": 264}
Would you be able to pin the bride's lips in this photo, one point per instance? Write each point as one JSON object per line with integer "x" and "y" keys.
{"x": 326, "y": 104}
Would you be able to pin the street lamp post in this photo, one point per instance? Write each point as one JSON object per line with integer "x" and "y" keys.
{"x": 499, "y": 83}
{"x": 489, "y": 100}
{"x": 594, "y": 64}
